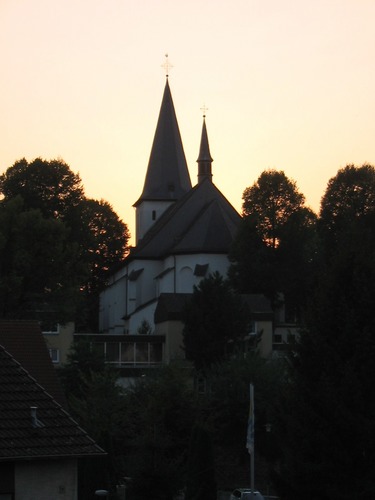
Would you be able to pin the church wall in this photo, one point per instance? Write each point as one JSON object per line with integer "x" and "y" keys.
{"x": 179, "y": 277}
{"x": 143, "y": 314}
{"x": 113, "y": 307}
{"x": 166, "y": 283}
{"x": 147, "y": 213}
{"x": 186, "y": 264}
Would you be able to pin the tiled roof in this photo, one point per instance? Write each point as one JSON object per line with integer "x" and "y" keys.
{"x": 203, "y": 221}
{"x": 53, "y": 433}
{"x": 25, "y": 342}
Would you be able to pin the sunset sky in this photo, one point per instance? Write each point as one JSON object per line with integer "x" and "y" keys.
{"x": 289, "y": 85}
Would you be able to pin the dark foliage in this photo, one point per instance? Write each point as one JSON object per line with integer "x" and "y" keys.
{"x": 328, "y": 419}
{"x": 201, "y": 481}
{"x": 213, "y": 319}
{"x": 94, "y": 240}
{"x": 277, "y": 246}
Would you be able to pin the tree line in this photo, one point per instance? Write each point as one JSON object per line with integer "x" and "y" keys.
{"x": 324, "y": 265}
{"x": 57, "y": 248}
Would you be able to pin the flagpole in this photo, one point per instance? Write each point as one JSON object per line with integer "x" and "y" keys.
{"x": 252, "y": 449}
{"x": 250, "y": 439}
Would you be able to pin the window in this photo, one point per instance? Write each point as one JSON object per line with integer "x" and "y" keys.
{"x": 54, "y": 355}
{"x": 252, "y": 327}
{"x": 49, "y": 327}
{"x": 154, "y": 215}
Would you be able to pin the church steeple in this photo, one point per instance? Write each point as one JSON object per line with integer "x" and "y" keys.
{"x": 167, "y": 178}
{"x": 204, "y": 159}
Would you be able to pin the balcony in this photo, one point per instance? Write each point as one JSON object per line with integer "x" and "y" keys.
{"x": 128, "y": 351}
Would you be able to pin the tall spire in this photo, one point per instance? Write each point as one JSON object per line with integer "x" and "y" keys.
{"x": 167, "y": 176}
{"x": 204, "y": 159}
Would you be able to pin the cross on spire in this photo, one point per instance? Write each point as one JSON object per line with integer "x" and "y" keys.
{"x": 204, "y": 109}
{"x": 167, "y": 65}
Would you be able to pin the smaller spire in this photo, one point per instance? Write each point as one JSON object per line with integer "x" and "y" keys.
{"x": 204, "y": 159}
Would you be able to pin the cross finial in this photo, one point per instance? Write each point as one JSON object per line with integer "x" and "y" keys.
{"x": 204, "y": 109}
{"x": 167, "y": 65}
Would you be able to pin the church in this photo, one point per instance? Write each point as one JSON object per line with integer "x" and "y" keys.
{"x": 183, "y": 234}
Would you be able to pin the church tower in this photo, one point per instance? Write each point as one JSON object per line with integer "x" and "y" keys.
{"x": 167, "y": 178}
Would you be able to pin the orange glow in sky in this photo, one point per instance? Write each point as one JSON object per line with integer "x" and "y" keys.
{"x": 289, "y": 85}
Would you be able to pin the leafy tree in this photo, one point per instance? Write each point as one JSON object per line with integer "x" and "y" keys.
{"x": 93, "y": 228}
{"x": 349, "y": 195}
{"x": 97, "y": 402}
{"x": 201, "y": 482}
{"x": 271, "y": 201}
{"x": 277, "y": 248}
{"x": 83, "y": 361}
{"x": 329, "y": 411}
{"x": 40, "y": 270}
{"x": 49, "y": 186}
{"x": 105, "y": 240}
{"x": 253, "y": 263}
{"x": 226, "y": 409}
{"x": 158, "y": 416}
{"x": 213, "y": 317}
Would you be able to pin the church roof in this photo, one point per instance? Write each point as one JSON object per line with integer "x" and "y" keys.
{"x": 202, "y": 221}
{"x": 167, "y": 176}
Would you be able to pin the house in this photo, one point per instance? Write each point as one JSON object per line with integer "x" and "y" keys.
{"x": 59, "y": 338}
{"x": 40, "y": 444}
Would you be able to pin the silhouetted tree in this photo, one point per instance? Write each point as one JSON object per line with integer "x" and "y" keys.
{"x": 99, "y": 237}
{"x": 40, "y": 268}
{"x": 277, "y": 248}
{"x": 213, "y": 318}
{"x": 271, "y": 201}
{"x": 49, "y": 186}
{"x": 328, "y": 419}
{"x": 350, "y": 194}
{"x": 201, "y": 481}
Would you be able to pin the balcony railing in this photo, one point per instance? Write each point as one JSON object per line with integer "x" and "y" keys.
{"x": 130, "y": 351}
